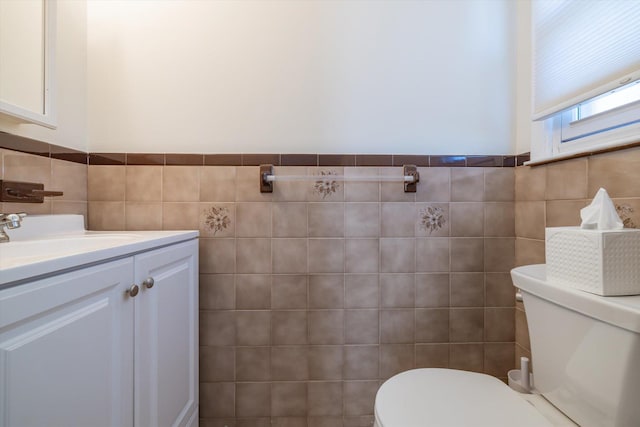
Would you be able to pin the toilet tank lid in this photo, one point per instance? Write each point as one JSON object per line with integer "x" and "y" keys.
{"x": 623, "y": 312}
{"x": 448, "y": 397}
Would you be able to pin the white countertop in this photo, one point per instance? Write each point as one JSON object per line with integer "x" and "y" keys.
{"x": 65, "y": 245}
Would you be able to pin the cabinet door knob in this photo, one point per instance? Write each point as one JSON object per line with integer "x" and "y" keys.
{"x": 148, "y": 282}
{"x": 133, "y": 290}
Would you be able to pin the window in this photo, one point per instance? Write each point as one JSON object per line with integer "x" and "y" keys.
{"x": 600, "y": 120}
{"x": 586, "y": 75}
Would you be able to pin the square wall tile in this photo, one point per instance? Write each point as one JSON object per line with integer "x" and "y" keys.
{"x": 217, "y": 292}
{"x": 217, "y": 255}
{"x": 217, "y": 219}
{"x": 325, "y": 362}
{"x": 105, "y": 183}
{"x": 361, "y": 291}
{"x": 362, "y": 219}
{"x": 289, "y": 399}
{"x": 289, "y": 327}
{"x": 499, "y": 184}
{"x": 253, "y": 255}
{"x": 466, "y": 324}
{"x": 217, "y": 364}
{"x": 467, "y": 289}
{"x": 253, "y": 291}
{"x": 71, "y": 178}
{"x": 500, "y": 291}
{"x": 324, "y": 398}
{"x": 217, "y": 328}
{"x": 499, "y": 324}
{"x": 432, "y": 355}
{"x": 326, "y": 219}
{"x": 181, "y": 184}
{"x": 618, "y": 172}
{"x": 326, "y": 291}
{"x": 397, "y": 290}
{"x": 397, "y": 326}
{"x": 361, "y": 326}
{"x": 432, "y": 325}
{"x": 289, "y": 219}
{"x": 291, "y": 191}
{"x": 143, "y": 184}
{"x": 288, "y": 291}
{"x": 253, "y": 327}
{"x": 253, "y": 219}
{"x": 432, "y": 290}
{"x": 361, "y": 256}
{"x": 217, "y": 400}
{"x": 396, "y": 358}
{"x": 562, "y": 213}
{"x": 394, "y": 191}
{"x": 105, "y": 216}
{"x": 499, "y": 254}
{"x": 432, "y": 254}
{"x": 324, "y": 188}
{"x": 529, "y": 251}
{"x": 218, "y": 183}
{"x": 361, "y": 191}
{"x": 531, "y": 183}
{"x": 143, "y": 216}
{"x": 499, "y": 359}
{"x": 180, "y": 216}
{"x": 467, "y": 254}
{"x": 434, "y": 185}
{"x": 432, "y": 220}
{"x": 289, "y": 255}
{"x": 467, "y": 219}
{"x": 397, "y": 219}
{"x": 467, "y": 185}
{"x": 467, "y": 357}
{"x": 530, "y": 219}
{"x": 326, "y": 255}
{"x": 361, "y": 362}
{"x": 567, "y": 180}
{"x": 253, "y": 399}
{"x": 397, "y": 255}
{"x": 499, "y": 219}
{"x": 326, "y": 326}
{"x": 359, "y": 397}
{"x": 247, "y": 186}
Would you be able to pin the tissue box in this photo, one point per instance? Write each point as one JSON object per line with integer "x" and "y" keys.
{"x": 603, "y": 262}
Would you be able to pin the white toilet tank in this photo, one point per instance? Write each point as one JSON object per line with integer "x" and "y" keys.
{"x": 585, "y": 350}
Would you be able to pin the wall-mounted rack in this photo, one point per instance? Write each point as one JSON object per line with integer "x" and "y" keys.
{"x": 410, "y": 177}
{"x": 24, "y": 192}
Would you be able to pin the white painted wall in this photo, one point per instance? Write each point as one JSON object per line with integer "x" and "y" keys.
{"x": 434, "y": 77}
{"x": 71, "y": 83}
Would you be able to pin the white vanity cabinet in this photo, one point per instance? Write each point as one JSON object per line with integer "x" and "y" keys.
{"x": 79, "y": 349}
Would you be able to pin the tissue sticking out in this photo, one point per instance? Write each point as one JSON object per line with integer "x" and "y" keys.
{"x": 601, "y": 214}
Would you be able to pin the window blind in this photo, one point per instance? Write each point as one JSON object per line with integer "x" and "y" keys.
{"x": 581, "y": 49}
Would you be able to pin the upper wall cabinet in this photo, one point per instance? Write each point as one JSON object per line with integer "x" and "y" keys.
{"x": 27, "y": 44}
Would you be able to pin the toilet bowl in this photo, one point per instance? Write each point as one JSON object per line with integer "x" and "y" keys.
{"x": 452, "y": 398}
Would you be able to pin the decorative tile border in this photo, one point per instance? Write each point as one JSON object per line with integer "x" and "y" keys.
{"x": 31, "y": 146}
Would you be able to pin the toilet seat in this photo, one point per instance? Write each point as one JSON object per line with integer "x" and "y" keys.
{"x": 448, "y": 397}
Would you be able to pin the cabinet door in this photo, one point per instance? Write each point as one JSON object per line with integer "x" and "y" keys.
{"x": 166, "y": 341}
{"x": 65, "y": 349}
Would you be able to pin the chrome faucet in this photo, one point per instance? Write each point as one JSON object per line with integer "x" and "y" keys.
{"x": 9, "y": 221}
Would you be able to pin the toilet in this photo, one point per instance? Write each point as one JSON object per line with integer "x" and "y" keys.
{"x": 586, "y": 352}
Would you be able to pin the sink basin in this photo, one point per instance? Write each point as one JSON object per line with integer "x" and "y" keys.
{"x": 49, "y": 243}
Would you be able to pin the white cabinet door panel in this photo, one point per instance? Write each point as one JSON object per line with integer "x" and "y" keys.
{"x": 65, "y": 349}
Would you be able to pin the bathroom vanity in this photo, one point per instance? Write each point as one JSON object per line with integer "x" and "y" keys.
{"x": 99, "y": 329}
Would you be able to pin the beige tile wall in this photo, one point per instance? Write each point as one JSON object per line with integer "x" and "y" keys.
{"x": 552, "y": 196}
{"x": 59, "y": 175}
{"x": 310, "y": 299}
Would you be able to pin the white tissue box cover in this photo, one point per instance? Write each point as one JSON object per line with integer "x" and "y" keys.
{"x": 603, "y": 262}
